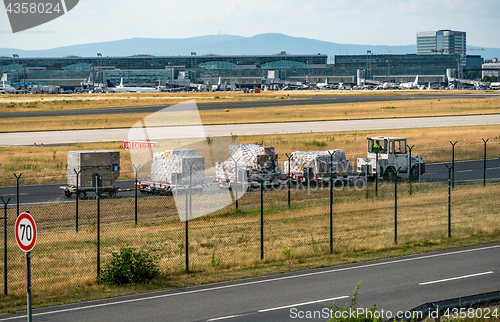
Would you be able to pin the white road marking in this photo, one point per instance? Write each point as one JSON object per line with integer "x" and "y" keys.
{"x": 305, "y": 303}
{"x": 463, "y": 161}
{"x": 226, "y": 317}
{"x": 478, "y": 180}
{"x": 456, "y": 278}
{"x": 255, "y": 282}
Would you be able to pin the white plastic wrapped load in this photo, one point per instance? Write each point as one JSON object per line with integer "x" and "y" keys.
{"x": 260, "y": 158}
{"x": 251, "y": 158}
{"x": 225, "y": 170}
{"x": 322, "y": 162}
{"x": 103, "y": 162}
{"x": 181, "y": 161}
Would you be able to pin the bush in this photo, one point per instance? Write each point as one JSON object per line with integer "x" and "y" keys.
{"x": 129, "y": 266}
{"x": 344, "y": 314}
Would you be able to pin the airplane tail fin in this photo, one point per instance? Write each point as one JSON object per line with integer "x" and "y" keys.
{"x": 4, "y": 77}
{"x": 326, "y": 81}
{"x": 219, "y": 81}
{"x": 109, "y": 83}
{"x": 416, "y": 81}
{"x": 121, "y": 82}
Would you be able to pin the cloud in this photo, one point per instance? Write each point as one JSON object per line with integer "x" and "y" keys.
{"x": 388, "y": 22}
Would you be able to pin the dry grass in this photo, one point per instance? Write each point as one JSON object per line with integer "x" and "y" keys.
{"x": 230, "y": 240}
{"x": 291, "y": 113}
{"x": 370, "y": 110}
{"x": 47, "y": 164}
{"x": 26, "y": 103}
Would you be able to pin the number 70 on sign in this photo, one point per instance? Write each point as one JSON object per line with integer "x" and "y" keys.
{"x": 25, "y": 230}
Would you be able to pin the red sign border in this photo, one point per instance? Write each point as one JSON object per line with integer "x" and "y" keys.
{"x": 22, "y": 216}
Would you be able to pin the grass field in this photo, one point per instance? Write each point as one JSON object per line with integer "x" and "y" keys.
{"x": 227, "y": 243}
{"x": 291, "y": 113}
{"x": 47, "y": 164}
{"x": 27, "y": 103}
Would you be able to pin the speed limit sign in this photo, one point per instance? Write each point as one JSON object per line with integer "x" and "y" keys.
{"x": 25, "y": 232}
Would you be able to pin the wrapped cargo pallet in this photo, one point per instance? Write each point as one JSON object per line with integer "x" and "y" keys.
{"x": 322, "y": 163}
{"x": 260, "y": 158}
{"x": 183, "y": 161}
{"x": 102, "y": 162}
{"x": 250, "y": 158}
{"x": 225, "y": 170}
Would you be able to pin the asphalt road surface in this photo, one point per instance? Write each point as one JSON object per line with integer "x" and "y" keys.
{"x": 298, "y": 100}
{"x": 394, "y": 285}
{"x": 183, "y": 132}
{"x": 465, "y": 172}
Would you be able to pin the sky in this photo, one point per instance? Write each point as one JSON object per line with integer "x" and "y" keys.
{"x": 364, "y": 22}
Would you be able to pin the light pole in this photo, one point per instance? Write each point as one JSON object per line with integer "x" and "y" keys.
{"x": 24, "y": 77}
{"x": 388, "y": 70}
{"x": 93, "y": 75}
{"x": 17, "y": 66}
{"x": 99, "y": 61}
{"x": 309, "y": 70}
{"x": 239, "y": 74}
{"x": 193, "y": 54}
{"x": 171, "y": 74}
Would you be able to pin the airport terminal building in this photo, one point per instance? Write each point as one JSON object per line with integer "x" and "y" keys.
{"x": 251, "y": 70}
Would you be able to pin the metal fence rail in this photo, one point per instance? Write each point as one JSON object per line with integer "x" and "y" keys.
{"x": 76, "y": 239}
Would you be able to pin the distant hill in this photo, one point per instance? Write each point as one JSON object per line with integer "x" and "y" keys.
{"x": 263, "y": 44}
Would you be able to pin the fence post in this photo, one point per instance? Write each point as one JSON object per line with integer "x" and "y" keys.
{"x": 98, "y": 197}
{"x": 77, "y": 197}
{"x": 395, "y": 204}
{"x": 331, "y": 212}
{"x": 5, "y": 203}
{"x": 449, "y": 199}
{"x": 376, "y": 174}
{"x": 261, "y": 218}
{"x": 17, "y": 194}
{"x": 484, "y": 165}
{"x": 188, "y": 214}
{"x": 186, "y": 229}
{"x": 410, "y": 174}
{"x": 135, "y": 188}
{"x": 235, "y": 182}
{"x": 289, "y": 177}
{"x": 453, "y": 164}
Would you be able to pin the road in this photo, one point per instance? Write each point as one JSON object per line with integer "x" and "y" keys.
{"x": 397, "y": 284}
{"x": 173, "y": 132}
{"x": 298, "y": 100}
{"x": 466, "y": 172}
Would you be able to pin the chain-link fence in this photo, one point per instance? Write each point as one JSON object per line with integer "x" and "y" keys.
{"x": 278, "y": 223}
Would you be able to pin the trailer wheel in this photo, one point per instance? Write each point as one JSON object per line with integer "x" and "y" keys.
{"x": 67, "y": 193}
{"x": 112, "y": 194}
{"x": 414, "y": 173}
{"x": 389, "y": 174}
{"x": 81, "y": 194}
{"x": 313, "y": 184}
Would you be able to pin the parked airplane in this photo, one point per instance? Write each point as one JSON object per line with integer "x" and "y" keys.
{"x": 410, "y": 85}
{"x": 324, "y": 85}
{"x": 180, "y": 83}
{"x": 7, "y": 89}
{"x": 387, "y": 85}
{"x": 44, "y": 89}
{"x": 223, "y": 87}
{"x": 121, "y": 88}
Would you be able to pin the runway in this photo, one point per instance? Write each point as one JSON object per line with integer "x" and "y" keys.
{"x": 298, "y": 100}
{"x": 110, "y": 135}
